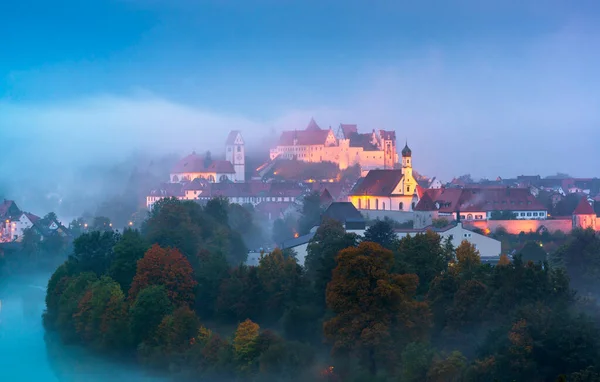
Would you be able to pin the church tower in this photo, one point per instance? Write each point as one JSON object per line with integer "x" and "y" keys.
{"x": 407, "y": 161}
{"x": 234, "y": 153}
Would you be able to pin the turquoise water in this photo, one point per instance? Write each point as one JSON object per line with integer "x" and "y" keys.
{"x": 28, "y": 354}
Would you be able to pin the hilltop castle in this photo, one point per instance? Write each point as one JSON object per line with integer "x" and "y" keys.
{"x": 375, "y": 150}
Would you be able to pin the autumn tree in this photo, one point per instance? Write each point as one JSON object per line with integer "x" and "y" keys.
{"x": 177, "y": 329}
{"x": 245, "y": 345}
{"x": 168, "y": 267}
{"x": 91, "y": 322}
{"x": 374, "y": 310}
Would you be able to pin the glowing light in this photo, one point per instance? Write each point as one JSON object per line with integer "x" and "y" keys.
{"x": 296, "y": 235}
{"x": 110, "y": 225}
{"x": 130, "y": 223}
{"x": 487, "y": 231}
{"x": 85, "y": 225}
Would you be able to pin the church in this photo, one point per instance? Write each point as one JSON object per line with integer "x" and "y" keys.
{"x": 347, "y": 147}
{"x": 387, "y": 190}
{"x": 195, "y": 166}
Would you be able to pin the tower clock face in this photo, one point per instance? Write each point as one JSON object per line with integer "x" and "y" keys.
{"x": 238, "y": 157}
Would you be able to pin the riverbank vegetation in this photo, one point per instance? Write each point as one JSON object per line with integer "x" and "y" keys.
{"x": 176, "y": 297}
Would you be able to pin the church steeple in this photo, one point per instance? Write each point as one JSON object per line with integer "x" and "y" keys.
{"x": 407, "y": 161}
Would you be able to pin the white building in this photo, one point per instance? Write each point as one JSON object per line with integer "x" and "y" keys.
{"x": 234, "y": 153}
{"x": 387, "y": 190}
{"x": 486, "y": 246}
{"x": 195, "y": 166}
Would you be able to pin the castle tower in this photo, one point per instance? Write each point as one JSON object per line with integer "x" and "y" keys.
{"x": 234, "y": 153}
{"x": 584, "y": 216}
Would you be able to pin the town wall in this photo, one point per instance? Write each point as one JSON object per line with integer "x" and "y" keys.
{"x": 515, "y": 227}
{"x": 399, "y": 216}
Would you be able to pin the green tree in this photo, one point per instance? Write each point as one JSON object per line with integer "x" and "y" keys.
{"x": 311, "y": 212}
{"x": 147, "y": 312}
{"x": 281, "y": 282}
{"x": 580, "y": 257}
{"x": 101, "y": 223}
{"x": 533, "y": 251}
{"x": 127, "y": 251}
{"x": 423, "y": 255}
{"x": 329, "y": 240}
{"x": 382, "y": 233}
{"x": 211, "y": 270}
{"x": 68, "y": 305}
{"x": 90, "y": 321}
{"x": 93, "y": 251}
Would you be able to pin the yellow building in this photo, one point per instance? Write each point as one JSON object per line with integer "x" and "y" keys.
{"x": 387, "y": 190}
{"x": 375, "y": 150}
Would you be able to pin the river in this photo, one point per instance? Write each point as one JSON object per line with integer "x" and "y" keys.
{"x": 27, "y": 353}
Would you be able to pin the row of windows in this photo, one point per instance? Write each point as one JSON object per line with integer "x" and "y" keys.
{"x": 383, "y": 206}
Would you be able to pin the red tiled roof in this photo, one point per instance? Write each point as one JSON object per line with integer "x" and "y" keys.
{"x": 348, "y": 129}
{"x": 425, "y": 203}
{"x": 303, "y": 137}
{"x": 363, "y": 140}
{"x": 32, "y": 218}
{"x": 482, "y": 199}
{"x": 168, "y": 190}
{"x": 584, "y": 208}
{"x": 387, "y": 135}
{"x": 196, "y": 163}
{"x": 419, "y": 190}
{"x": 378, "y": 183}
{"x": 312, "y": 126}
{"x": 6, "y": 207}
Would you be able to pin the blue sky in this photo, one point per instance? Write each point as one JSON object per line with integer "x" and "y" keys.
{"x": 499, "y": 88}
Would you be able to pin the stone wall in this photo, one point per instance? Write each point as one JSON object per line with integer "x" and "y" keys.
{"x": 515, "y": 227}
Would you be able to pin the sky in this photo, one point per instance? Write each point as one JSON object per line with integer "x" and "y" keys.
{"x": 491, "y": 88}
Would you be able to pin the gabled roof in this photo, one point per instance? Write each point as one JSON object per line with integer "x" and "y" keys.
{"x": 425, "y": 204}
{"x": 303, "y": 137}
{"x": 312, "y": 126}
{"x": 584, "y": 208}
{"x": 326, "y": 197}
{"x": 378, "y": 183}
{"x": 480, "y": 199}
{"x": 343, "y": 212}
{"x": 348, "y": 129}
{"x": 231, "y": 137}
{"x": 9, "y": 208}
{"x": 196, "y": 163}
{"x": 291, "y": 243}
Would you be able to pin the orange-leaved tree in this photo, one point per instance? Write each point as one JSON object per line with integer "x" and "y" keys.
{"x": 244, "y": 345}
{"x": 168, "y": 267}
{"x": 375, "y": 310}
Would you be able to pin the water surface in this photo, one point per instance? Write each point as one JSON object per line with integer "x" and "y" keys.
{"x": 28, "y": 354}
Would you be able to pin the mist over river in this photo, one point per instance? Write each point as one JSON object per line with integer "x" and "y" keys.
{"x": 28, "y": 353}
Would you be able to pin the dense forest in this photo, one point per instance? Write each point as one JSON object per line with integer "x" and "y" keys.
{"x": 175, "y": 296}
